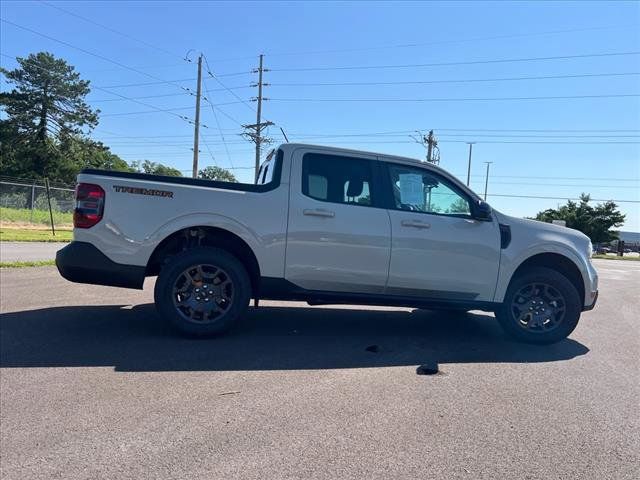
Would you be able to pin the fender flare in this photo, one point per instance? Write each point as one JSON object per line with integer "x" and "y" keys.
{"x": 508, "y": 266}
{"x": 201, "y": 220}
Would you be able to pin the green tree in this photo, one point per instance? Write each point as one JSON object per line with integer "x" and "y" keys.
{"x": 81, "y": 152}
{"x": 46, "y": 106}
{"x": 147, "y": 166}
{"x": 217, "y": 173}
{"x": 595, "y": 222}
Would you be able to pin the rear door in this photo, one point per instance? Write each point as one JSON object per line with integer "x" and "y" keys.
{"x": 438, "y": 251}
{"x": 339, "y": 236}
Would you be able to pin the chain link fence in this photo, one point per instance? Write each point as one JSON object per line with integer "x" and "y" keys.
{"x": 26, "y": 202}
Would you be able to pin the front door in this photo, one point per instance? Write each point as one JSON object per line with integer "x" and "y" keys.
{"x": 438, "y": 251}
{"x": 339, "y": 235}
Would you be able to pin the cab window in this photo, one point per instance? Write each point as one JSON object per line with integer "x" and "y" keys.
{"x": 337, "y": 179}
{"x": 418, "y": 190}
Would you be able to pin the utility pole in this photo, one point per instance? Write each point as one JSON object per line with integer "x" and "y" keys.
{"x": 256, "y": 135}
{"x": 469, "y": 165}
{"x": 432, "y": 145}
{"x": 258, "y": 117}
{"x": 486, "y": 181}
{"x": 196, "y": 132}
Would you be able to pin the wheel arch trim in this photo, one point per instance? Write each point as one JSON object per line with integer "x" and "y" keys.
{"x": 510, "y": 267}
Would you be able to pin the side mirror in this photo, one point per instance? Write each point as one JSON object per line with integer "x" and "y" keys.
{"x": 482, "y": 211}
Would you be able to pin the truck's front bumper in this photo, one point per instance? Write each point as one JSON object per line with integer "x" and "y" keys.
{"x": 81, "y": 262}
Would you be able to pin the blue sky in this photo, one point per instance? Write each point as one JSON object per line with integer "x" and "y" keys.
{"x": 538, "y": 147}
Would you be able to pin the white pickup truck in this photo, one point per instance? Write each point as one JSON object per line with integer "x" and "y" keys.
{"x": 326, "y": 226}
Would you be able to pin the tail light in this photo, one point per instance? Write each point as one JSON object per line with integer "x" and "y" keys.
{"x": 89, "y": 205}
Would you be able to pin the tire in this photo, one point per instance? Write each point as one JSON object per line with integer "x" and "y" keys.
{"x": 527, "y": 313}
{"x": 182, "y": 300}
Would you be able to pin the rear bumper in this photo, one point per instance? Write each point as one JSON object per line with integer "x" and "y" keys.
{"x": 81, "y": 262}
{"x": 594, "y": 299}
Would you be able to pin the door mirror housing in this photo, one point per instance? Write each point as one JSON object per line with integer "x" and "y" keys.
{"x": 482, "y": 211}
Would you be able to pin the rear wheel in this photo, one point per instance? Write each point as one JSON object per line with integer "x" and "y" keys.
{"x": 203, "y": 291}
{"x": 540, "y": 306}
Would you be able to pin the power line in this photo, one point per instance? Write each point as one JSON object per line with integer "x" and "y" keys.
{"x": 562, "y": 198}
{"x": 485, "y": 135}
{"x": 441, "y": 64}
{"x": 97, "y": 55}
{"x": 168, "y": 111}
{"x": 222, "y": 111}
{"x": 473, "y": 80}
{"x": 398, "y": 142}
{"x": 565, "y": 178}
{"x": 560, "y": 184}
{"x": 398, "y": 132}
{"x": 215, "y": 116}
{"x": 142, "y": 112}
{"x": 470, "y": 99}
{"x": 145, "y": 84}
{"x": 212, "y": 75}
{"x": 102, "y": 100}
{"x": 404, "y": 135}
{"x": 454, "y": 41}
{"x": 535, "y": 130}
{"x": 210, "y": 153}
{"x": 126, "y": 35}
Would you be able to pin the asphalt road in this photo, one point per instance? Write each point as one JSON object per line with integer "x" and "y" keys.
{"x": 94, "y": 386}
{"x": 29, "y": 251}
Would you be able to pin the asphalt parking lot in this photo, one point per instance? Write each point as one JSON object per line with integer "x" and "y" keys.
{"x": 94, "y": 386}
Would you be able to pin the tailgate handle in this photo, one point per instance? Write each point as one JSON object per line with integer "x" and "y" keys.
{"x": 415, "y": 224}
{"x": 318, "y": 212}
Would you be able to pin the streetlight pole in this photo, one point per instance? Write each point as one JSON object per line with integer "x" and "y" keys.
{"x": 469, "y": 165}
{"x": 486, "y": 181}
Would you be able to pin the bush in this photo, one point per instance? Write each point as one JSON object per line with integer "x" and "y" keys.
{"x": 42, "y": 204}
{"x": 14, "y": 199}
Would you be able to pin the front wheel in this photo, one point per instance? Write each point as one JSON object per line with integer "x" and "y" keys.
{"x": 541, "y": 306}
{"x": 203, "y": 291}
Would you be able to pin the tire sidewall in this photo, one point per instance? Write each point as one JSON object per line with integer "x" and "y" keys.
{"x": 557, "y": 281}
{"x": 163, "y": 291}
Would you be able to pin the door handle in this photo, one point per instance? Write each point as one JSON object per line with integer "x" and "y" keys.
{"x": 415, "y": 224}
{"x": 318, "y": 212}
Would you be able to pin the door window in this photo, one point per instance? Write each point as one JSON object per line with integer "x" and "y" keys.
{"x": 337, "y": 179}
{"x": 418, "y": 190}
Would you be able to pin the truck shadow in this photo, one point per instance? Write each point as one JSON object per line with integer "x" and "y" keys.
{"x": 271, "y": 338}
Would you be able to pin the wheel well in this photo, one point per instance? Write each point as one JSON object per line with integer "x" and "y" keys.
{"x": 193, "y": 237}
{"x": 560, "y": 264}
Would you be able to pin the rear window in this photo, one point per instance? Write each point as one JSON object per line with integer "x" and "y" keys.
{"x": 268, "y": 167}
{"x": 337, "y": 179}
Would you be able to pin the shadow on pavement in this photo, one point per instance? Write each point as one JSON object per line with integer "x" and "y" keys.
{"x": 271, "y": 338}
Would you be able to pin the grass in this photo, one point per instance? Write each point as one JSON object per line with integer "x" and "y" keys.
{"x": 37, "y": 263}
{"x": 615, "y": 257}
{"x": 31, "y": 235}
{"x": 41, "y": 217}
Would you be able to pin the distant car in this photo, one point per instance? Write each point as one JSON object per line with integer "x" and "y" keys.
{"x": 601, "y": 249}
